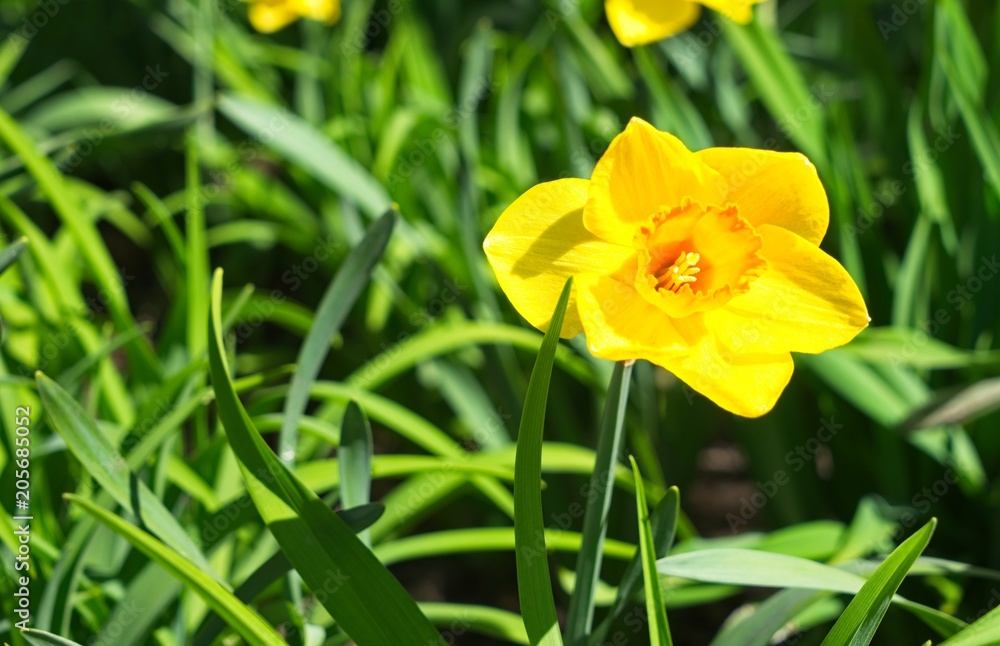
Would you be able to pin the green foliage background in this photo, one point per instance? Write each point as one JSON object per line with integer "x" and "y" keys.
{"x": 143, "y": 144}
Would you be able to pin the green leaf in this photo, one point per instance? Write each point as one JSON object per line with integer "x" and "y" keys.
{"x": 443, "y": 339}
{"x": 10, "y": 253}
{"x": 984, "y": 632}
{"x": 781, "y": 85}
{"x": 42, "y": 638}
{"x": 65, "y": 202}
{"x": 664, "y": 526}
{"x": 309, "y": 149}
{"x": 759, "y": 569}
{"x": 334, "y": 307}
{"x": 755, "y": 568}
{"x": 659, "y": 629}
{"x": 357, "y": 518}
{"x": 957, "y": 406}
{"x": 363, "y": 597}
{"x": 95, "y": 452}
{"x": 493, "y": 622}
{"x": 243, "y": 619}
{"x": 895, "y": 345}
{"x": 857, "y": 625}
{"x": 768, "y": 617}
{"x": 196, "y": 253}
{"x": 595, "y": 519}
{"x": 355, "y": 459}
{"x": 534, "y": 583}
{"x": 486, "y": 539}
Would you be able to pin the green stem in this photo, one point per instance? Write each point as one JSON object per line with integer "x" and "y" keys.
{"x": 595, "y": 519}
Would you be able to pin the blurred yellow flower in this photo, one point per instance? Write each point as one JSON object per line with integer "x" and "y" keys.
{"x": 705, "y": 263}
{"x": 637, "y": 22}
{"x": 268, "y": 16}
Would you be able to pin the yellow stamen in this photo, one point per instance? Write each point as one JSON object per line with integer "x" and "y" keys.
{"x": 680, "y": 273}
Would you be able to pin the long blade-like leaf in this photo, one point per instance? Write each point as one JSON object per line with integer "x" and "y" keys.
{"x": 664, "y": 525}
{"x": 241, "y": 617}
{"x": 534, "y": 584}
{"x": 37, "y": 637}
{"x": 863, "y": 615}
{"x": 595, "y": 519}
{"x": 10, "y": 253}
{"x": 333, "y": 309}
{"x": 984, "y": 632}
{"x": 92, "y": 448}
{"x": 310, "y": 150}
{"x": 359, "y": 592}
{"x": 659, "y": 630}
{"x": 355, "y": 461}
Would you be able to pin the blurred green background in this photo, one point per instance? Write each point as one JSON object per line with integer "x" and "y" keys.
{"x": 186, "y": 141}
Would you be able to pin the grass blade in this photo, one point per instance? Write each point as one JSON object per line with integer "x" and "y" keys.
{"x": 863, "y": 615}
{"x": 355, "y": 461}
{"x": 984, "y": 632}
{"x": 65, "y": 203}
{"x": 11, "y": 253}
{"x": 595, "y": 519}
{"x": 659, "y": 629}
{"x": 244, "y": 620}
{"x": 310, "y": 150}
{"x": 534, "y": 584}
{"x": 334, "y": 307}
{"x": 37, "y": 637}
{"x": 361, "y": 594}
{"x": 196, "y": 253}
{"x": 957, "y": 406}
{"x": 95, "y": 452}
{"x": 780, "y": 84}
{"x": 357, "y": 518}
{"x": 664, "y": 526}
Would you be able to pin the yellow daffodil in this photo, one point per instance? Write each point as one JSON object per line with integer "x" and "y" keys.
{"x": 637, "y": 22}
{"x": 705, "y": 263}
{"x": 268, "y": 16}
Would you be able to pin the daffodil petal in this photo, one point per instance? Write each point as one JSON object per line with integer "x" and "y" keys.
{"x": 738, "y": 10}
{"x": 620, "y": 324}
{"x": 638, "y": 22}
{"x": 773, "y": 188}
{"x": 747, "y": 385}
{"x": 539, "y": 242}
{"x": 327, "y": 11}
{"x": 643, "y": 171}
{"x": 268, "y": 17}
{"x": 804, "y": 302}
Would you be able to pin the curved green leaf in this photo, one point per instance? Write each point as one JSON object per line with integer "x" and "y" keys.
{"x": 363, "y": 597}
